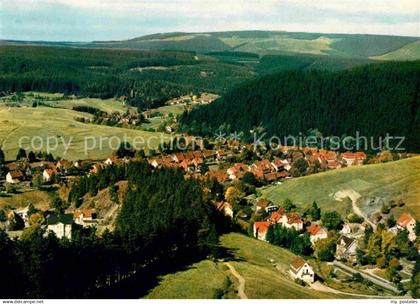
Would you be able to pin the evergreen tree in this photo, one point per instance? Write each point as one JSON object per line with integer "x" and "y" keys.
{"x": 2, "y": 157}
{"x": 21, "y": 154}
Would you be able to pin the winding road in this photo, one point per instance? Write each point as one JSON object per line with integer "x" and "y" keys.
{"x": 241, "y": 287}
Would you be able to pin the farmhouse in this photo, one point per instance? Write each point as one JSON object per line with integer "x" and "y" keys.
{"x": 275, "y": 217}
{"x": 353, "y": 158}
{"x": 316, "y": 233}
{"x": 48, "y": 175}
{"x": 406, "y": 221}
{"x": 301, "y": 270}
{"x": 60, "y": 224}
{"x": 85, "y": 217}
{"x": 237, "y": 171}
{"x": 14, "y": 177}
{"x": 292, "y": 220}
{"x": 220, "y": 175}
{"x": 260, "y": 230}
{"x": 266, "y": 205}
{"x": 346, "y": 248}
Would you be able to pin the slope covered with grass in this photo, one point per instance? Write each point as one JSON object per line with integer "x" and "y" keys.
{"x": 393, "y": 180}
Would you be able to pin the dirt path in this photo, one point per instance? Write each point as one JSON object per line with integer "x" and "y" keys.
{"x": 354, "y": 196}
{"x": 241, "y": 287}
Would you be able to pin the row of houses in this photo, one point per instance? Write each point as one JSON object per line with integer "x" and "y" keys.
{"x": 346, "y": 244}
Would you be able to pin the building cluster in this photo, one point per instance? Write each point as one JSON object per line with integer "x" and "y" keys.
{"x": 204, "y": 99}
{"x": 346, "y": 245}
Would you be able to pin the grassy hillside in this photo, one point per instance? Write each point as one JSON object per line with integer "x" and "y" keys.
{"x": 251, "y": 259}
{"x": 394, "y": 180}
{"x": 410, "y": 51}
{"x": 17, "y": 122}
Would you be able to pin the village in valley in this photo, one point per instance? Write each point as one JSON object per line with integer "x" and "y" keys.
{"x": 351, "y": 246}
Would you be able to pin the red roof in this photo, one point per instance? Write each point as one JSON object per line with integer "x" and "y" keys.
{"x": 297, "y": 263}
{"x": 263, "y": 203}
{"x": 293, "y": 218}
{"x": 404, "y": 219}
{"x": 354, "y": 155}
{"x": 314, "y": 229}
{"x": 276, "y": 216}
{"x": 16, "y": 174}
{"x": 220, "y": 175}
{"x": 261, "y": 226}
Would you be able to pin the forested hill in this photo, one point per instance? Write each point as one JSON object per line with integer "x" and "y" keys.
{"x": 373, "y": 99}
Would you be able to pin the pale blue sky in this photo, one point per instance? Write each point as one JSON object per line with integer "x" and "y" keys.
{"x": 86, "y": 20}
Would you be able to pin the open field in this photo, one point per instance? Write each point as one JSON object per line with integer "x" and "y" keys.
{"x": 45, "y": 122}
{"x": 58, "y": 100}
{"x": 410, "y": 51}
{"x": 394, "y": 180}
{"x": 106, "y": 105}
{"x": 155, "y": 122}
{"x": 253, "y": 260}
{"x": 40, "y": 199}
{"x": 199, "y": 281}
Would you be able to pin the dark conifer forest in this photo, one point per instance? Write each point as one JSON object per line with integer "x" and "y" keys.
{"x": 373, "y": 99}
{"x": 165, "y": 222}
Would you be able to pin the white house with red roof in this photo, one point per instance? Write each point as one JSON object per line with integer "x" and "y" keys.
{"x": 301, "y": 270}
{"x": 260, "y": 230}
{"x": 15, "y": 177}
{"x": 275, "y": 217}
{"x": 353, "y": 158}
{"x": 406, "y": 221}
{"x": 292, "y": 220}
{"x": 316, "y": 233}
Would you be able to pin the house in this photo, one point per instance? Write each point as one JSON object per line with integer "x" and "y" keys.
{"x": 316, "y": 233}
{"x": 85, "y": 217}
{"x": 15, "y": 177}
{"x": 60, "y": 224}
{"x": 221, "y": 155}
{"x": 260, "y": 230}
{"x": 346, "y": 248}
{"x": 111, "y": 160}
{"x": 353, "y": 158}
{"x": 406, "y": 221}
{"x": 278, "y": 164}
{"x": 275, "y": 217}
{"x": 96, "y": 168}
{"x": 23, "y": 213}
{"x": 266, "y": 205}
{"x": 226, "y": 208}
{"x": 346, "y": 229}
{"x": 48, "y": 175}
{"x": 220, "y": 175}
{"x": 237, "y": 171}
{"x": 301, "y": 270}
{"x": 64, "y": 165}
{"x": 292, "y": 220}
{"x": 178, "y": 157}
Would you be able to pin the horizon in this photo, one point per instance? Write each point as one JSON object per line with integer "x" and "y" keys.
{"x": 207, "y": 32}
{"x": 95, "y": 20}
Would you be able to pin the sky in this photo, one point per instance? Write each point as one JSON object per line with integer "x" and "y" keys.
{"x": 89, "y": 20}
